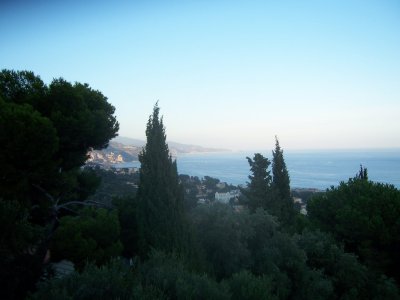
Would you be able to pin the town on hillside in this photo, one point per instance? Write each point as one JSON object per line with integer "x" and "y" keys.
{"x": 124, "y": 181}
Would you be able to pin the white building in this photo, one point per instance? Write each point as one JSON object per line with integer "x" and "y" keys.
{"x": 223, "y": 197}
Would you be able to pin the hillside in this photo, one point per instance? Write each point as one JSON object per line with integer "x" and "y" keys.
{"x": 124, "y": 149}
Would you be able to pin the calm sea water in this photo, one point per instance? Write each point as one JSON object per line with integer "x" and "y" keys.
{"x": 307, "y": 169}
{"x": 316, "y": 169}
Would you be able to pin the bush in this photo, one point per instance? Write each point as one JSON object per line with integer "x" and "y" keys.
{"x": 111, "y": 281}
{"x": 169, "y": 275}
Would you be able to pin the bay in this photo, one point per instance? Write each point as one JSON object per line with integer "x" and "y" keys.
{"x": 307, "y": 169}
{"x": 318, "y": 169}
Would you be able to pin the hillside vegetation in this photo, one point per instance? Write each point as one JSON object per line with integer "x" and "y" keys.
{"x": 149, "y": 243}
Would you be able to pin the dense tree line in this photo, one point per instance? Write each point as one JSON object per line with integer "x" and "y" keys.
{"x": 113, "y": 184}
{"x": 150, "y": 245}
{"x": 365, "y": 217}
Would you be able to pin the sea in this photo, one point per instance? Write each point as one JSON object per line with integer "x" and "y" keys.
{"x": 319, "y": 169}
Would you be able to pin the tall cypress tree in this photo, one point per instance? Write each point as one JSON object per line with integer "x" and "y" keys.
{"x": 160, "y": 196}
{"x": 281, "y": 186}
{"x": 259, "y": 187}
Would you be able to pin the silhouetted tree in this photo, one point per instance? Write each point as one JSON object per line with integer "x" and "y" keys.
{"x": 281, "y": 185}
{"x": 363, "y": 173}
{"x": 45, "y": 134}
{"x": 258, "y": 190}
{"x": 160, "y": 196}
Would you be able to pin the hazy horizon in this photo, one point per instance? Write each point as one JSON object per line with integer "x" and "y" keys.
{"x": 227, "y": 74}
{"x": 272, "y": 147}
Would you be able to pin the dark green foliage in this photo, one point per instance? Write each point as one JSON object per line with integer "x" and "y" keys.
{"x": 17, "y": 234}
{"x": 160, "y": 277}
{"x": 364, "y": 216}
{"x": 127, "y": 212}
{"x": 17, "y": 237}
{"x": 88, "y": 182}
{"x": 271, "y": 192}
{"x": 210, "y": 182}
{"x": 281, "y": 185}
{"x": 168, "y": 274}
{"x": 92, "y": 236}
{"x": 262, "y": 228}
{"x": 114, "y": 185}
{"x": 82, "y": 116}
{"x": 280, "y": 175}
{"x": 350, "y": 279}
{"x": 258, "y": 190}
{"x": 22, "y": 87}
{"x": 276, "y": 255}
{"x": 236, "y": 242}
{"x": 285, "y": 263}
{"x": 160, "y": 196}
{"x": 222, "y": 234}
{"x": 83, "y": 119}
{"x": 46, "y": 132}
{"x": 190, "y": 185}
{"x": 246, "y": 286}
{"x": 28, "y": 146}
{"x": 112, "y": 281}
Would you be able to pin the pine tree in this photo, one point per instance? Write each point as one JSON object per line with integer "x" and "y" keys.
{"x": 258, "y": 189}
{"x": 281, "y": 186}
{"x": 160, "y": 196}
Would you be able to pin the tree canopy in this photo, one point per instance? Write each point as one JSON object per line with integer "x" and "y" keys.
{"x": 364, "y": 215}
{"x": 46, "y": 132}
{"x": 93, "y": 236}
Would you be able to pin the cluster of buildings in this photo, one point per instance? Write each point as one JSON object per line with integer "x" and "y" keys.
{"x": 104, "y": 158}
{"x": 221, "y": 192}
{"x": 124, "y": 171}
{"x": 228, "y": 196}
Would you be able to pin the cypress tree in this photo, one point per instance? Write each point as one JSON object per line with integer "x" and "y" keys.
{"x": 281, "y": 186}
{"x": 160, "y": 196}
{"x": 258, "y": 189}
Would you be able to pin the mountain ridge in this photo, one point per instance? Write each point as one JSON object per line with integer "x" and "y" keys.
{"x": 125, "y": 149}
{"x": 179, "y": 148}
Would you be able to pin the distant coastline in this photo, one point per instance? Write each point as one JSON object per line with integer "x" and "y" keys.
{"x": 316, "y": 169}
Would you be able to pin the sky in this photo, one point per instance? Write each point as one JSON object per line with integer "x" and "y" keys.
{"x": 227, "y": 74}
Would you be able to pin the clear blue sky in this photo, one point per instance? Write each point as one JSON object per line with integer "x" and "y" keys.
{"x": 232, "y": 74}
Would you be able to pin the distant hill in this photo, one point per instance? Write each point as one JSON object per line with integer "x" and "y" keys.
{"x": 129, "y": 141}
{"x": 175, "y": 148}
{"x": 124, "y": 149}
{"x": 114, "y": 153}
